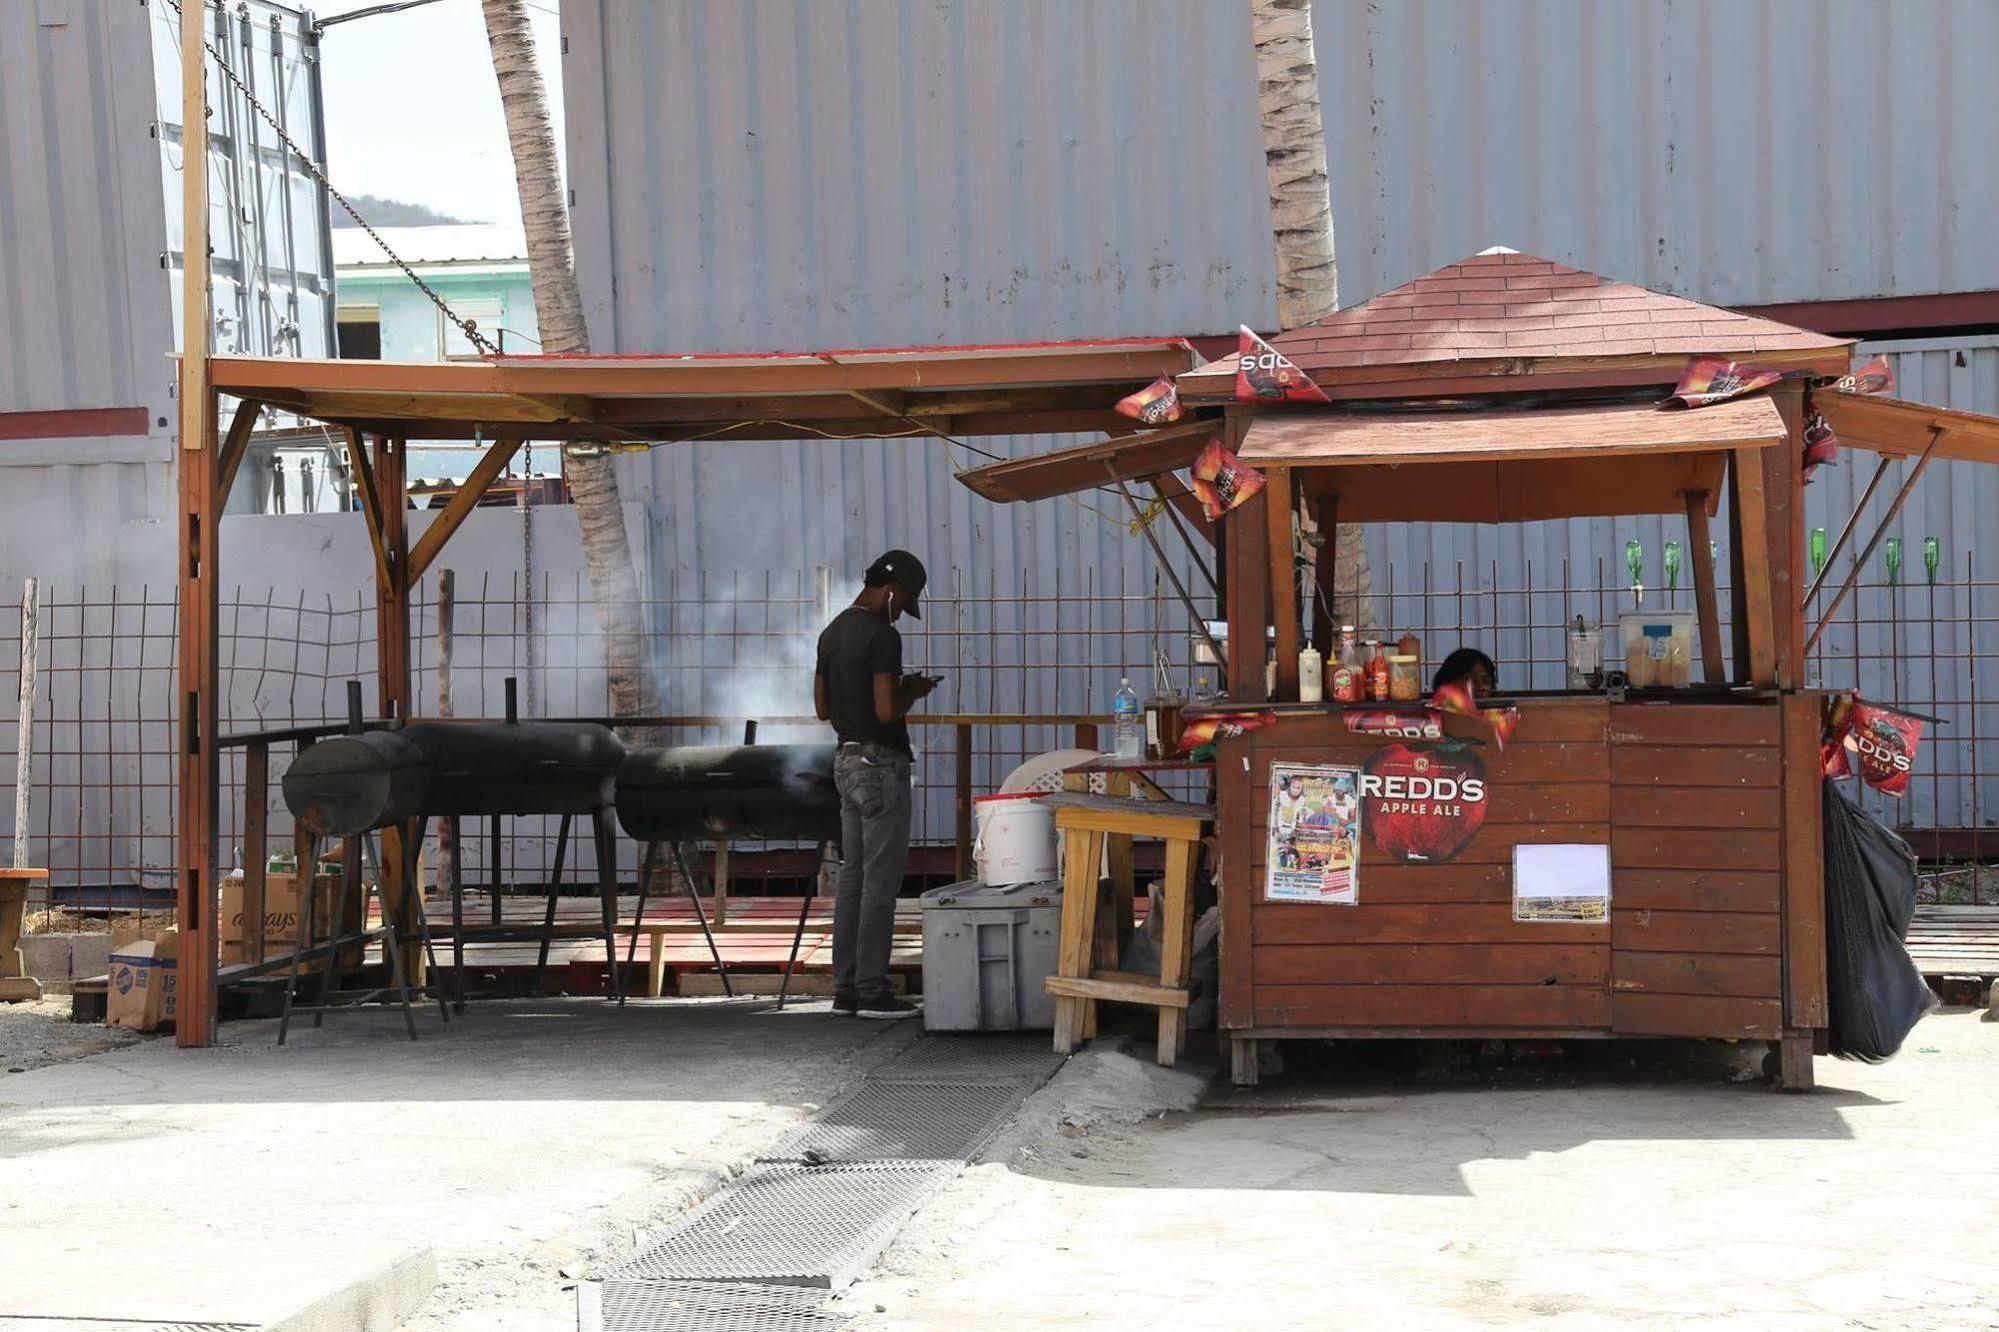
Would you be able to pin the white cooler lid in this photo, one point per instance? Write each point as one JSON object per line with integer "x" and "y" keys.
{"x": 972, "y": 895}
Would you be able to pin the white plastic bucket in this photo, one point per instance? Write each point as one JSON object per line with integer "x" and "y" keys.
{"x": 1015, "y": 840}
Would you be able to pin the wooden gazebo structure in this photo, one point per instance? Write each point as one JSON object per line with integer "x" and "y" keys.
{"x": 618, "y": 401}
{"x": 1506, "y": 388}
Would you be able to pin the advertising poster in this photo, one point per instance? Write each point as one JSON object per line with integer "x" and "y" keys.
{"x": 1425, "y": 802}
{"x": 1562, "y": 883}
{"x": 1314, "y": 830}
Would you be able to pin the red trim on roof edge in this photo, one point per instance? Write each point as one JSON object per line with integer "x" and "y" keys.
{"x": 75, "y": 423}
{"x": 1874, "y": 314}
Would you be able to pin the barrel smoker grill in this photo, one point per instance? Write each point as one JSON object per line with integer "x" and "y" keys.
{"x": 353, "y": 785}
{"x": 730, "y": 793}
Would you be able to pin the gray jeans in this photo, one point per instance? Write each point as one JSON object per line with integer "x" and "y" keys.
{"x": 874, "y": 849}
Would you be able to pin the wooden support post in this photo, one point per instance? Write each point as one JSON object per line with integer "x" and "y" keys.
{"x": 1176, "y": 944}
{"x": 1245, "y": 533}
{"x": 1242, "y": 1061}
{"x": 392, "y": 649}
{"x": 1281, "y": 514}
{"x": 1714, "y": 666}
{"x": 1325, "y": 579}
{"x": 24, "y": 732}
{"x": 199, "y": 568}
{"x": 1754, "y": 601}
{"x": 1738, "y": 622}
{"x": 234, "y": 445}
{"x": 962, "y": 777}
{"x": 1805, "y": 1001}
{"x": 256, "y": 846}
{"x": 1784, "y": 499}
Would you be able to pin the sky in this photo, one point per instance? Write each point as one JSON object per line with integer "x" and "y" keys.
{"x": 413, "y": 111}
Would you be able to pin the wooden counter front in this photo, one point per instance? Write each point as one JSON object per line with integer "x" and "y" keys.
{"x": 1691, "y": 800}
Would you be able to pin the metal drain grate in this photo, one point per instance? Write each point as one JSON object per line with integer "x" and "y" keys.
{"x": 32, "y": 1323}
{"x": 791, "y": 1225}
{"x": 695, "y": 1306}
{"x": 997, "y": 1058}
{"x": 904, "y": 1121}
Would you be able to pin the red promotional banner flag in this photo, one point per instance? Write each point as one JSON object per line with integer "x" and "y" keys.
{"x": 1874, "y": 375}
{"x": 1222, "y": 480}
{"x": 1158, "y": 403}
{"x": 1884, "y": 745}
{"x": 1709, "y": 379}
{"x": 1821, "y": 445}
{"x": 1265, "y": 374}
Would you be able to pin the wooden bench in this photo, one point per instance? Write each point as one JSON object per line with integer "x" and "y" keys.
{"x": 1955, "y": 940}
{"x": 16, "y": 985}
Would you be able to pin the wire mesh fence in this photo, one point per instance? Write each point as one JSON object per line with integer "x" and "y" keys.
{"x": 724, "y": 649}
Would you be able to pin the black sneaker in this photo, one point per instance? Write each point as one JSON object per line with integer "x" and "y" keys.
{"x": 845, "y": 1003}
{"x": 890, "y": 1009}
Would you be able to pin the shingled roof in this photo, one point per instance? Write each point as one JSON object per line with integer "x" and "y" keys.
{"x": 1502, "y": 305}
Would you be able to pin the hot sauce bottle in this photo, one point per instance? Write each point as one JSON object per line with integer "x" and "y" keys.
{"x": 1345, "y": 672}
{"x": 1377, "y": 672}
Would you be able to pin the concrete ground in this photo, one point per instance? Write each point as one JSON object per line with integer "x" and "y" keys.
{"x": 524, "y": 1144}
{"x": 1582, "y": 1190}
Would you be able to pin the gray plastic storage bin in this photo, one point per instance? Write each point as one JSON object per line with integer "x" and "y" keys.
{"x": 986, "y": 952}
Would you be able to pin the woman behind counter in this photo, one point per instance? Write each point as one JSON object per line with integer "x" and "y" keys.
{"x": 1470, "y": 666}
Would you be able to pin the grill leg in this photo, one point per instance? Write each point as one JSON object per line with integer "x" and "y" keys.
{"x": 701, "y": 914}
{"x": 648, "y": 863}
{"x": 311, "y": 864}
{"x": 607, "y": 891}
{"x": 392, "y": 951}
{"x": 548, "y": 913}
{"x": 350, "y": 892}
{"x": 798, "y": 935}
{"x": 414, "y": 846}
{"x": 497, "y": 915}
{"x": 458, "y": 917}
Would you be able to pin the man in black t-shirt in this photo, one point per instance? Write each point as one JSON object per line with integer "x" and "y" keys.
{"x": 859, "y": 686}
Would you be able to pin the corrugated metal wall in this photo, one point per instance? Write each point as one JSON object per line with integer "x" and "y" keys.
{"x": 767, "y": 174}
{"x": 83, "y": 313}
{"x": 90, "y": 168}
{"x": 271, "y": 259}
{"x": 1734, "y": 151}
{"x": 788, "y": 174}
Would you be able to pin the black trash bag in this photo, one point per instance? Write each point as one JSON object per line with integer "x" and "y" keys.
{"x": 1877, "y": 995}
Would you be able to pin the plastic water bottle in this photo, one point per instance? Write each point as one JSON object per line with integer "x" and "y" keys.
{"x": 1128, "y": 722}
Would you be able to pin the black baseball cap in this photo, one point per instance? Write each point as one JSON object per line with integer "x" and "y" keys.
{"x": 905, "y": 571}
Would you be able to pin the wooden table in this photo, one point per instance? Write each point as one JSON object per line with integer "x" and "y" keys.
{"x": 1092, "y": 824}
{"x": 16, "y": 985}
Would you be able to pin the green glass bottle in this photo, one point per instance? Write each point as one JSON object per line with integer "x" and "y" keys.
{"x": 1893, "y": 557}
{"x": 1818, "y": 552}
{"x": 1932, "y": 558}
{"x": 1672, "y": 566}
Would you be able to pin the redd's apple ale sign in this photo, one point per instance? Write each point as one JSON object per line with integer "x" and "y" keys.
{"x": 1423, "y": 803}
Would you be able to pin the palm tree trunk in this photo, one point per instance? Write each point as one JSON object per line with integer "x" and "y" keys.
{"x": 1301, "y": 225}
{"x": 593, "y": 478}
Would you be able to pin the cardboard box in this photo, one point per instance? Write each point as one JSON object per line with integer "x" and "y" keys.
{"x": 281, "y": 907}
{"x": 144, "y": 984}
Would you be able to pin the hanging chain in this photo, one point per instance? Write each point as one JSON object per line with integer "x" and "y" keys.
{"x": 469, "y": 328}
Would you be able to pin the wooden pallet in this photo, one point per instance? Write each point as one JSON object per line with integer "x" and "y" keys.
{"x": 1956, "y": 940}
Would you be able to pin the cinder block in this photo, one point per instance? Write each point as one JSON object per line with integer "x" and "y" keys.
{"x": 46, "y": 958}
{"x": 89, "y": 955}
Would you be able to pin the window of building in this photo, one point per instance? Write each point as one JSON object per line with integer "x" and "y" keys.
{"x": 486, "y": 312}
{"x": 359, "y": 329}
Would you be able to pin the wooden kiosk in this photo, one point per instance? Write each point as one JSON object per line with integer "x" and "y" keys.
{"x": 1509, "y": 389}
